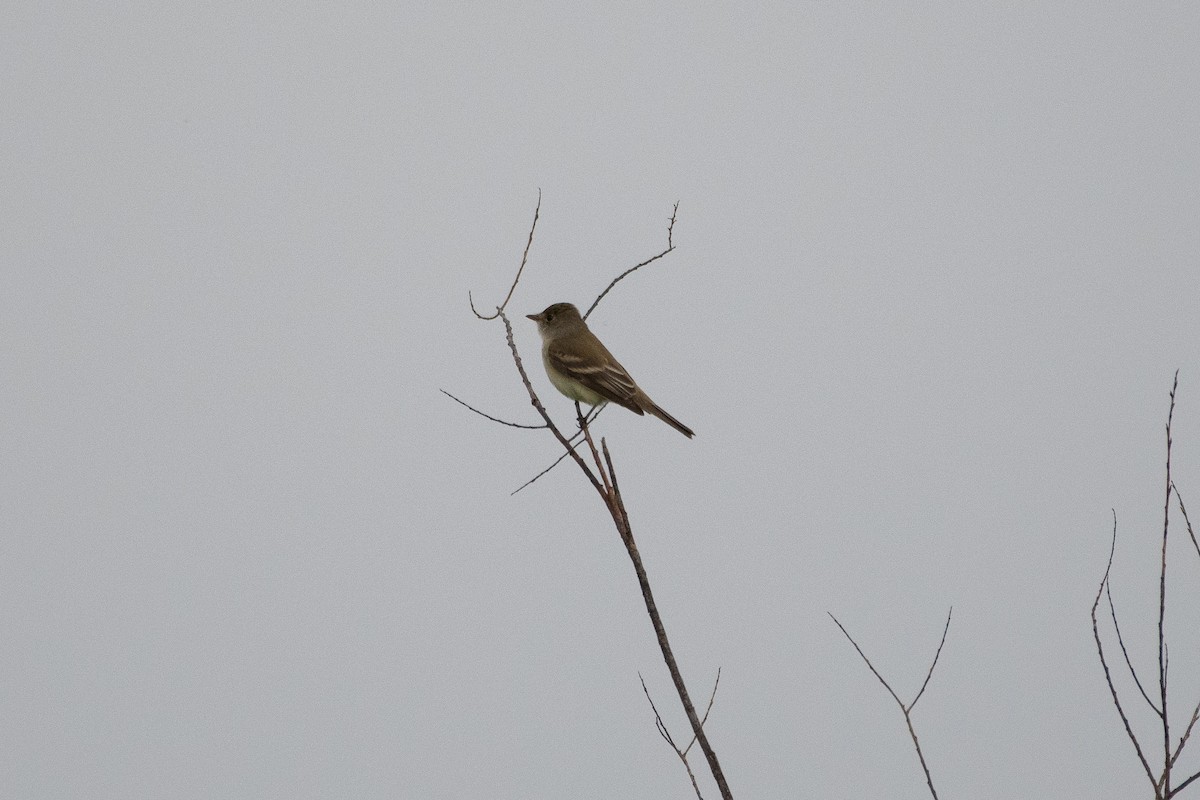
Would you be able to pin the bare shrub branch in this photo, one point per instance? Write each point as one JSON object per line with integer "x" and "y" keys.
{"x": 1164, "y": 789}
{"x": 604, "y": 481}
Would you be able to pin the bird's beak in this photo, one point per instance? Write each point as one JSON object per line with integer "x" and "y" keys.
{"x": 535, "y": 317}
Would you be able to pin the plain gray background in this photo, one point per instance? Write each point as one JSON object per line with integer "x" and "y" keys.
{"x": 935, "y": 268}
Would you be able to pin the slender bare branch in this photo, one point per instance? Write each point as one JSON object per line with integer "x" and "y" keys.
{"x": 1186, "y": 520}
{"x": 524, "y": 257}
{"x": 1185, "y": 784}
{"x": 704, "y": 719}
{"x": 936, "y": 655}
{"x": 1162, "y": 607}
{"x": 557, "y": 461}
{"x": 899, "y": 702}
{"x": 489, "y": 416}
{"x": 658, "y": 720}
{"x": 1104, "y": 664}
{"x": 1186, "y": 733}
{"x": 1121, "y": 641}
{"x": 619, "y": 278}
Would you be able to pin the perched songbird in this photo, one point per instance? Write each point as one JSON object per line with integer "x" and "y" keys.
{"x": 581, "y": 367}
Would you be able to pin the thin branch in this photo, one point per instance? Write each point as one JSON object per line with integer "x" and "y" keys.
{"x": 704, "y": 719}
{"x": 1162, "y": 607}
{"x": 906, "y": 710}
{"x": 1104, "y": 664}
{"x": 524, "y": 258}
{"x": 619, "y": 278}
{"x": 557, "y": 461}
{"x": 936, "y": 655}
{"x": 1185, "y": 784}
{"x": 595, "y": 412}
{"x": 1188, "y": 522}
{"x": 489, "y": 416}
{"x": 1186, "y": 733}
{"x": 1121, "y": 641}
{"x": 863, "y": 655}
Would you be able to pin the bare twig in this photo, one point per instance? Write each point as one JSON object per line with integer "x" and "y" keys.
{"x": 1121, "y": 641}
{"x": 1186, "y": 733}
{"x": 557, "y": 461}
{"x": 574, "y": 444}
{"x": 489, "y": 416}
{"x": 1186, "y": 520}
{"x": 1162, "y": 608}
{"x": 905, "y": 709}
{"x": 1104, "y": 664}
{"x": 704, "y": 719}
{"x": 619, "y": 278}
{"x": 936, "y": 655}
{"x": 524, "y": 258}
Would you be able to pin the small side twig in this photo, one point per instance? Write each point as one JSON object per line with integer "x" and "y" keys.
{"x": 1186, "y": 520}
{"x": 489, "y": 416}
{"x": 524, "y": 257}
{"x": 636, "y": 267}
{"x": 574, "y": 441}
{"x": 1112, "y": 689}
{"x": 905, "y": 709}
{"x": 666, "y": 734}
{"x": 1112, "y": 609}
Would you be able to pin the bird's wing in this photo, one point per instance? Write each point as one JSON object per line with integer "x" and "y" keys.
{"x": 608, "y": 379}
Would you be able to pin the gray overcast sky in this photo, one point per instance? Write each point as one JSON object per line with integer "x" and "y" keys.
{"x": 936, "y": 266}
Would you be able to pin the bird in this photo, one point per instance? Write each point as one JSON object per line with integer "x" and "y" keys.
{"x": 581, "y": 367}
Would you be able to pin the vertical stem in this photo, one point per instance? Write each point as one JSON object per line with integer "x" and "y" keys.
{"x": 621, "y": 518}
{"x": 1162, "y": 611}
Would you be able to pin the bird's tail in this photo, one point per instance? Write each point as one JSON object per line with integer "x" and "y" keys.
{"x": 667, "y": 418}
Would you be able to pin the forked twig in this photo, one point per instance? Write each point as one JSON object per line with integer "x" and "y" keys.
{"x": 666, "y": 734}
{"x": 905, "y": 709}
